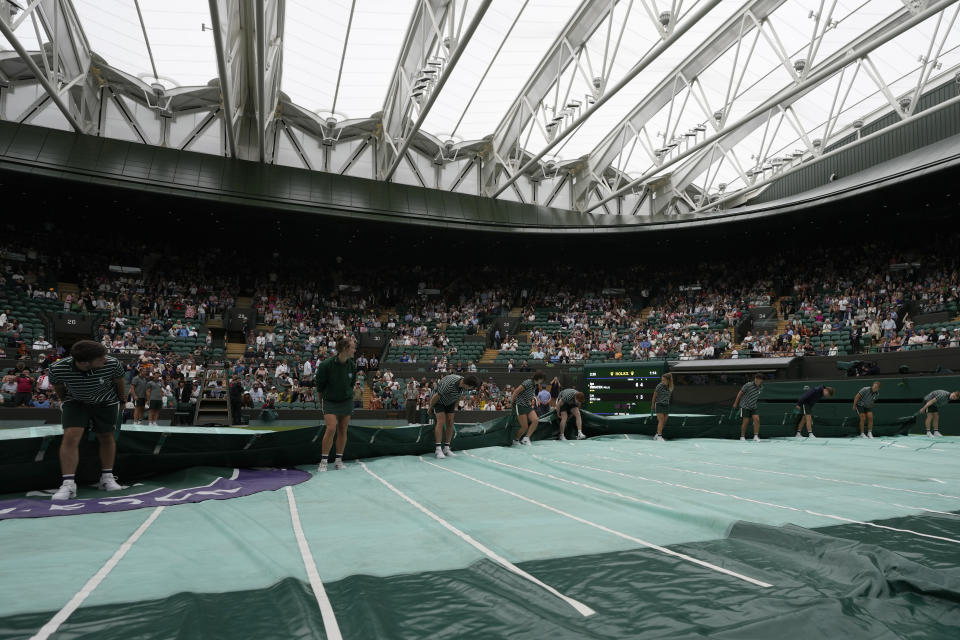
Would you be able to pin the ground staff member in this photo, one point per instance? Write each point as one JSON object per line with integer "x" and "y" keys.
{"x": 747, "y": 400}
{"x": 661, "y": 402}
{"x": 523, "y": 397}
{"x": 569, "y": 402}
{"x": 863, "y": 405}
{"x": 90, "y": 383}
{"x": 805, "y": 408}
{"x": 335, "y": 377}
{"x": 443, "y": 403}
{"x": 932, "y": 403}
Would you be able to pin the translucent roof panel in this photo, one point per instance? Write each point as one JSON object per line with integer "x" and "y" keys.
{"x": 183, "y": 51}
{"x": 24, "y": 32}
{"x": 532, "y": 36}
{"x": 313, "y": 44}
{"x": 340, "y": 56}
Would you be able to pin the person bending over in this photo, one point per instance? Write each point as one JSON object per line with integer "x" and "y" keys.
{"x": 90, "y": 385}
{"x": 932, "y": 403}
{"x": 523, "y": 397}
{"x": 569, "y": 402}
{"x": 443, "y": 403}
{"x": 863, "y": 405}
{"x": 805, "y": 406}
{"x": 747, "y": 400}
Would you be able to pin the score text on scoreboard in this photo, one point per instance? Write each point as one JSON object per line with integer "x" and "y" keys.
{"x": 623, "y": 388}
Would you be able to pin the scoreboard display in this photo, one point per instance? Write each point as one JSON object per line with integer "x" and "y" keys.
{"x": 622, "y": 388}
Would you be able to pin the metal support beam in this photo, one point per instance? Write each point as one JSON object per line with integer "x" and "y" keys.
{"x": 422, "y": 44}
{"x": 747, "y": 191}
{"x": 687, "y": 172}
{"x": 249, "y": 40}
{"x": 66, "y": 59}
{"x": 702, "y": 9}
{"x": 269, "y": 24}
{"x": 732, "y": 32}
{"x": 227, "y": 34}
{"x": 408, "y": 133}
{"x": 589, "y": 16}
{"x": 735, "y": 131}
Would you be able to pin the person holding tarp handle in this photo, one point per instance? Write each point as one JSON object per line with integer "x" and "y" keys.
{"x": 932, "y": 403}
{"x": 569, "y": 402}
{"x": 805, "y": 407}
{"x": 863, "y": 405}
{"x": 747, "y": 400}
{"x": 443, "y": 403}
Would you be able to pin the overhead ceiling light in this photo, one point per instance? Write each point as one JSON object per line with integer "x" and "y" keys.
{"x": 800, "y": 64}
{"x": 665, "y": 18}
{"x": 857, "y": 124}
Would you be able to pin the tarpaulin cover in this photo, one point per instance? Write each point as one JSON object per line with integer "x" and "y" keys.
{"x": 826, "y": 538}
{"x": 29, "y": 457}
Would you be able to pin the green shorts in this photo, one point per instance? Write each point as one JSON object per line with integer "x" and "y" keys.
{"x": 156, "y": 405}
{"x": 339, "y": 408}
{"x": 933, "y": 409}
{"x": 102, "y": 417}
{"x": 747, "y": 413}
{"x": 523, "y": 409}
{"x": 661, "y": 408}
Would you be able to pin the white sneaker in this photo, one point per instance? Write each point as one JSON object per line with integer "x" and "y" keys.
{"x": 338, "y": 464}
{"x": 929, "y": 434}
{"x": 658, "y": 437}
{"x": 810, "y": 435}
{"x": 756, "y": 438}
{"x": 936, "y": 434}
{"x": 742, "y": 439}
{"x": 447, "y": 452}
{"x": 798, "y": 436}
{"x": 439, "y": 453}
{"x": 869, "y": 434}
{"x": 580, "y": 436}
{"x": 138, "y": 422}
{"x": 526, "y": 441}
{"x": 108, "y": 482}
{"x": 562, "y": 438}
{"x": 862, "y": 435}
{"x": 322, "y": 466}
{"x": 516, "y": 443}
{"x": 67, "y": 491}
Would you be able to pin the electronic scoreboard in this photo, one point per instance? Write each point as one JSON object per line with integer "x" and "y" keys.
{"x": 622, "y": 388}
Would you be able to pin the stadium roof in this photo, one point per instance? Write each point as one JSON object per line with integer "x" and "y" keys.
{"x": 569, "y": 103}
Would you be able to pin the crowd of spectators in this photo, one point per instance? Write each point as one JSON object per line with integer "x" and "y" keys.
{"x": 147, "y": 311}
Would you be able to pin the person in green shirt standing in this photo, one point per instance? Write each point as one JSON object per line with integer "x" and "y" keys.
{"x": 335, "y": 378}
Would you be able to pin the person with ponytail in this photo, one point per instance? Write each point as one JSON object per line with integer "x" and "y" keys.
{"x": 661, "y": 403}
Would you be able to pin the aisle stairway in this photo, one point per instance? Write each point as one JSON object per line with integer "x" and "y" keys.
{"x": 489, "y": 356}
{"x": 367, "y": 396}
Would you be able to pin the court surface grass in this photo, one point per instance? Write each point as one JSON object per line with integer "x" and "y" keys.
{"x": 609, "y": 537}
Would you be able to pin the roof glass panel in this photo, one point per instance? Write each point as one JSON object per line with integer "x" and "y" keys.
{"x": 177, "y": 32}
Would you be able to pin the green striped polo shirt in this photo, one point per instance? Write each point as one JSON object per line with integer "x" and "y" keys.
{"x": 95, "y": 386}
{"x": 663, "y": 393}
{"x": 569, "y": 397}
{"x": 867, "y": 397}
{"x": 751, "y": 395}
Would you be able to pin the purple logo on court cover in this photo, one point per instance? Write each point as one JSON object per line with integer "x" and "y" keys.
{"x": 244, "y": 482}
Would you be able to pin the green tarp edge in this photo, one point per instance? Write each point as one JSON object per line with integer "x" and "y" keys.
{"x": 33, "y": 463}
